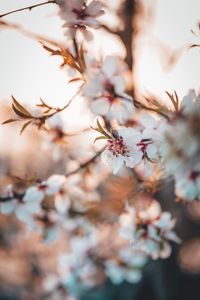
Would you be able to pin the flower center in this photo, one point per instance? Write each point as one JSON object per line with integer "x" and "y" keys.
{"x": 193, "y": 175}
{"x": 81, "y": 14}
{"x": 109, "y": 91}
{"x": 143, "y": 145}
{"x": 117, "y": 147}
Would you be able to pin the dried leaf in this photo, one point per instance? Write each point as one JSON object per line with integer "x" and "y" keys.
{"x": 9, "y": 121}
{"x": 20, "y": 107}
{"x": 19, "y": 113}
{"x": 25, "y": 126}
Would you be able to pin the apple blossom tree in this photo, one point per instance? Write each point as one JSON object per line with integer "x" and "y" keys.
{"x": 137, "y": 143}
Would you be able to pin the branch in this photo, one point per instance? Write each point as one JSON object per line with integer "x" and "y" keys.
{"x": 28, "y": 8}
{"x": 85, "y": 164}
{"x": 82, "y": 166}
{"x": 9, "y": 198}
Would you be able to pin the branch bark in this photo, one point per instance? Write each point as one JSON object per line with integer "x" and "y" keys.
{"x": 27, "y": 8}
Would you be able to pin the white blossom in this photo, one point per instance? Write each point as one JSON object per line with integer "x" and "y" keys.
{"x": 128, "y": 147}
{"x": 149, "y": 233}
{"x": 106, "y": 92}
{"x": 187, "y": 186}
{"x": 78, "y": 15}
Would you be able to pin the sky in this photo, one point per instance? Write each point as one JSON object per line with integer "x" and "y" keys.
{"x": 29, "y": 73}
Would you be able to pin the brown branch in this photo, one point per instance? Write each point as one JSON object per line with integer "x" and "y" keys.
{"x": 27, "y": 8}
{"x": 81, "y": 167}
{"x": 13, "y": 197}
{"x": 85, "y": 164}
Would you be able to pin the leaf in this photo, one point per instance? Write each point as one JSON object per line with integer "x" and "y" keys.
{"x": 194, "y": 45}
{"x": 102, "y": 130}
{"x": 25, "y": 126}
{"x": 81, "y": 59}
{"x": 9, "y": 121}
{"x": 66, "y": 55}
{"x": 101, "y": 138}
{"x": 20, "y": 107}
{"x": 74, "y": 80}
{"x": 19, "y": 113}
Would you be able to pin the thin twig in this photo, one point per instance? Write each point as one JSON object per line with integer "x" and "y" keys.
{"x": 85, "y": 164}
{"x": 27, "y": 8}
{"x": 81, "y": 167}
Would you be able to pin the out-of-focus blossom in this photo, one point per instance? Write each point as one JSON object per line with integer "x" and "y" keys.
{"x": 149, "y": 233}
{"x": 180, "y": 138}
{"x": 126, "y": 267}
{"x": 187, "y": 186}
{"x": 74, "y": 196}
{"x": 105, "y": 90}
{"x": 78, "y": 15}
{"x": 77, "y": 264}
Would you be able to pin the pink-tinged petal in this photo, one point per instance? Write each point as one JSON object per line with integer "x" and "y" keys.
{"x": 77, "y": 4}
{"x": 100, "y": 106}
{"x": 70, "y": 33}
{"x": 91, "y": 22}
{"x": 88, "y": 35}
{"x": 94, "y": 8}
{"x": 109, "y": 66}
{"x": 33, "y": 194}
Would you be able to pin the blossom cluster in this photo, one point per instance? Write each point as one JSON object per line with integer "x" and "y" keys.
{"x": 145, "y": 139}
{"x": 149, "y": 230}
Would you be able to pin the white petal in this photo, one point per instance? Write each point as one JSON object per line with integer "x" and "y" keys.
{"x": 100, "y": 106}
{"x": 151, "y": 151}
{"x": 62, "y": 203}
{"x": 93, "y": 8}
{"x": 33, "y": 194}
{"x": 92, "y": 23}
{"x": 118, "y": 163}
{"x": 118, "y": 83}
{"x": 134, "y": 160}
{"x": 109, "y": 66}
{"x": 55, "y": 183}
{"x": 8, "y": 207}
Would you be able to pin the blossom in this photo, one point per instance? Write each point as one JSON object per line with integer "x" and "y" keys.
{"x": 78, "y": 15}
{"x": 105, "y": 90}
{"x": 149, "y": 233}
{"x": 77, "y": 264}
{"x": 127, "y": 266}
{"x": 179, "y": 143}
{"x": 73, "y": 196}
{"x": 30, "y": 203}
{"x": 123, "y": 149}
{"x": 187, "y": 186}
{"x": 128, "y": 147}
